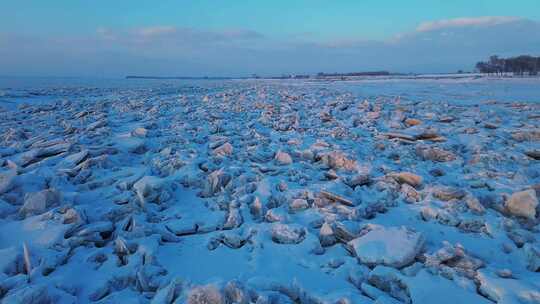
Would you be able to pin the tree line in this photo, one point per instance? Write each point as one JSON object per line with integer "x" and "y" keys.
{"x": 520, "y": 65}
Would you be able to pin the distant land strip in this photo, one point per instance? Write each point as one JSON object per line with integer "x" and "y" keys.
{"x": 176, "y": 77}
{"x": 285, "y": 76}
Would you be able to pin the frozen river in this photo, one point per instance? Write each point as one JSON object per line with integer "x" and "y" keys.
{"x": 269, "y": 191}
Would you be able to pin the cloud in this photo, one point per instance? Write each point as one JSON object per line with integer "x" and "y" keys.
{"x": 105, "y": 33}
{"x": 440, "y": 46}
{"x": 157, "y": 31}
{"x": 175, "y": 35}
{"x": 465, "y": 22}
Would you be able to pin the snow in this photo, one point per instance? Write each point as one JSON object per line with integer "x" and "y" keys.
{"x": 426, "y": 288}
{"x": 377, "y": 190}
{"x": 392, "y": 246}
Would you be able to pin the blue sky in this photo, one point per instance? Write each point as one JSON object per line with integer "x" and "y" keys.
{"x": 237, "y": 37}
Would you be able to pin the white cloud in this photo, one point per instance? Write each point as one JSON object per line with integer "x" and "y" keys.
{"x": 465, "y": 22}
{"x": 440, "y": 46}
{"x": 105, "y": 33}
{"x": 157, "y": 31}
{"x": 172, "y": 35}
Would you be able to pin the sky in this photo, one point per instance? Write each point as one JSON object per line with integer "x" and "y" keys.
{"x": 237, "y": 38}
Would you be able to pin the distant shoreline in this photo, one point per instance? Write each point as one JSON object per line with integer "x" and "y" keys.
{"x": 333, "y": 77}
{"x": 181, "y": 77}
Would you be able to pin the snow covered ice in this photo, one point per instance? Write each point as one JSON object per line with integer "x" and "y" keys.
{"x": 254, "y": 191}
